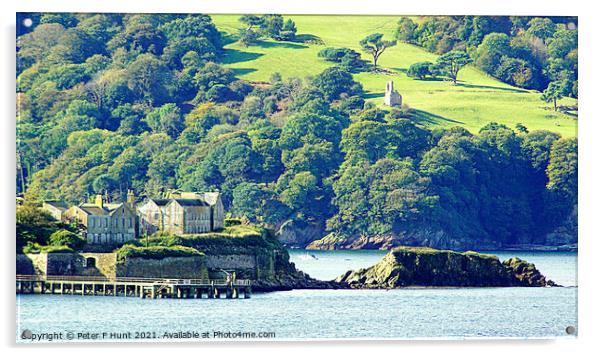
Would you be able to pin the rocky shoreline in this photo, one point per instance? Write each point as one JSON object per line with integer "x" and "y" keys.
{"x": 427, "y": 267}
{"x": 382, "y": 243}
{"x": 298, "y": 281}
{"x": 421, "y": 267}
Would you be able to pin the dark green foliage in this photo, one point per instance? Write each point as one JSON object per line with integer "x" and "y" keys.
{"x": 173, "y": 53}
{"x": 154, "y": 252}
{"x": 218, "y": 93}
{"x": 248, "y": 37}
{"x": 542, "y": 28}
{"x": 67, "y": 75}
{"x": 66, "y": 238}
{"x": 212, "y": 74}
{"x": 490, "y": 52}
{"x": 130, "y": 119}
{"x": 148, "y": 78}
{"x": 34, "y": 226}
{"x": 146, "y": 105}
{"x": 451, "y": 62}
{"x": 333, "y": 82}
{"x": 562, "y": 169}
{"x": 232, "y": 222}
{"x": 232, "y": 239}
{"x": 554, "y": 92}
{"x": 141, "y": 36}
{"x": 348, "y": 59}
{"x": 65, "y": 19}
{"x": 420, "y": 70}
{"x": 37, "y": 248}
{"x": 375, "y": 46}
{"x": 197, "y": 26}
{"x": 166, "y": 119}
{"x": 275, "y": 27}
{"x": 406, "y": 30}
{"x": 271, "y": 26}
{"x": 517, "y": 72}
{"x": 523, "y": 51}
{"x": 74, "y": 46}
{"x": 351, "y": 104}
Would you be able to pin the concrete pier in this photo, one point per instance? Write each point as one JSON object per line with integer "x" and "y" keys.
{"x": 134, "y": 287}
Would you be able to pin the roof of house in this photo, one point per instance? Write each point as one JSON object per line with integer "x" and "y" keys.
{"x": 59, "y": 204}
{"x": 107, "y": 209}
{"x": 160, "y": 202}
{"x": 92, "y": 209}
{"x": 191, "y": 202}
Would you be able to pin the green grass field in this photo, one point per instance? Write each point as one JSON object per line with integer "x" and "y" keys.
{"x": 476, "y": 100}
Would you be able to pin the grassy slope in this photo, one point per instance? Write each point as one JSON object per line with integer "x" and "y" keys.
{"x": 475, "y": 101}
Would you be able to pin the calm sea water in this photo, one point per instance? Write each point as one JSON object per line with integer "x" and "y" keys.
{"x": 302, "y": 314}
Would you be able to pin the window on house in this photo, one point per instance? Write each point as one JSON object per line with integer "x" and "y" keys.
{"x": 90, "y": 262}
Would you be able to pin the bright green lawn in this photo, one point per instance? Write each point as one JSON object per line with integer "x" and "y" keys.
{"x": 475, "y": 101}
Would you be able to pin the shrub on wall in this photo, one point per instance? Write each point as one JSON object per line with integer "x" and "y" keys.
{"x": 155, "y": 252}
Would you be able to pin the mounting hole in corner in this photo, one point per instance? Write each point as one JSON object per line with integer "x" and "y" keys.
{"x": 570, "y": 330}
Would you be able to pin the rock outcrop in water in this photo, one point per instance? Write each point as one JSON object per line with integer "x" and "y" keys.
{"x": 423, "y": 266}
{"x": 418, "y": 237}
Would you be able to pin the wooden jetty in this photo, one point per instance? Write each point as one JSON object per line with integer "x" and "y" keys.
{"x": 134, "y": 287}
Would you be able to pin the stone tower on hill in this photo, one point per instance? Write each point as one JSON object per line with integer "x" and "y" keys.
{"x": 392, "y": 97}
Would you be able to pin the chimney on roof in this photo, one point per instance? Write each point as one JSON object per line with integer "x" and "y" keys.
{"x": 99, "y": 201}
{"x": 131, "y": 198}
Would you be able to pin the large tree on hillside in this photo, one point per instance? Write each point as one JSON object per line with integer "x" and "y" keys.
{"x": 451, "y": 63}
{"x": 375, "y": 45}
{"x": 553, "y": 93}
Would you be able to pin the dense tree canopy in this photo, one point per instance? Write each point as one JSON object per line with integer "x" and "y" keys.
{"x": 112, "y": 102}
{"x": 523, "y": 51}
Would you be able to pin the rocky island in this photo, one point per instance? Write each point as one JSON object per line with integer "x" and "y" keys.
{"x": 423, "y": 266}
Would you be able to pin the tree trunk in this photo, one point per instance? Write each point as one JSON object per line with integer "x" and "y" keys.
{"x": 555, "y": 107}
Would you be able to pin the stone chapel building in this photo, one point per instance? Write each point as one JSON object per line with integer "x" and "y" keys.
{"x": 392, "y": 96}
